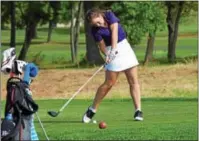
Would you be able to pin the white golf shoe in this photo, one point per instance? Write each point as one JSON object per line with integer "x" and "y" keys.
{"x": 138, "y": 116}
{"x": 88, "y": 115}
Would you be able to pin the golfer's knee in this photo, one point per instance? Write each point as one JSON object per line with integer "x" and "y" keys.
{"x": 109, "y": 84}
{"x": 134, "y": 84}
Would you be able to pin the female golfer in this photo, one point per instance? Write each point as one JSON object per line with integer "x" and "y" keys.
{"x": 120, "y": 57}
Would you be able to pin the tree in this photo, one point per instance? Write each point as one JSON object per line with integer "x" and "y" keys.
{"x": 50, "y": 25}
{"x": 92, "y": 51}
{"x": 139, "y": 18}
{"x": 20, "y": 9}
{"x": 155, "y": 16}
{"x": 173, "y": 17}
{"x": 32, "y": 15}
{"x": 150, "y": 47}
{"x": 190, "y": 9}
{"x": 131, "y": 15}
{"x": 77, "y": 29}
{"x": 54, "y": 9}
{"x": 72, "y": 32}
{"x": 13, "y": 23}
{"x": 175, "y": 10}
{"x": 34, "y": 34}
{"x": 72, "y": 11}
{"x": 5, "y": 13}
{"x": 76, "y": 14}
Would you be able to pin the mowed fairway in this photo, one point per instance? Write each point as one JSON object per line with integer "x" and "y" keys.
{"x": 169, "y": 103}
{"x": 165, "y": 119}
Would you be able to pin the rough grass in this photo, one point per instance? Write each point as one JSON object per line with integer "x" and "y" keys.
{"x": 179, "y": 80}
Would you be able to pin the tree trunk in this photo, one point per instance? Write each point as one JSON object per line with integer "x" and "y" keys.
{"x": 34, "y": 34}
{"x": 50, "y": 28}
{"x": 173, "y": 18}
{"x": 72, "y": 34}
{"x": 92, "y": 51}
{"x": 28, "y": 37}
{"x": 77, "y": 30}
{"x": 150, "y": 48}
{"x": 13, "y": 24}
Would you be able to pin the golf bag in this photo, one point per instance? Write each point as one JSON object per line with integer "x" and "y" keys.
{"x": 22, "y": 107}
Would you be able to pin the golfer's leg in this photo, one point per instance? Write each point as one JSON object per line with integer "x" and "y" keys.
{"x": 110, "y": 80}
{"x": 132, "y": 77}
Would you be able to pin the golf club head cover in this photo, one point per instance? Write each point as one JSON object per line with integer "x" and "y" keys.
{"x": 9, "y": 55}
{"x": 30, "y": 70}
{"x": 18, "y": 67}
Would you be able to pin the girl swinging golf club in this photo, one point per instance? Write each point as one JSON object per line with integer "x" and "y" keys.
{"x": 111, "y": 39}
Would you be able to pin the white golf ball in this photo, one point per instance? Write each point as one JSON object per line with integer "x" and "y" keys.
{"x": 94, "y": 121}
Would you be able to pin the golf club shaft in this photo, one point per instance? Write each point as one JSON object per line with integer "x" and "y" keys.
{"x": 42, "y": 126}
{"x": 62, "y": 108}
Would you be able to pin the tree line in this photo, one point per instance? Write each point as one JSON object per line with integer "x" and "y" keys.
{"x": 137, "y": 18}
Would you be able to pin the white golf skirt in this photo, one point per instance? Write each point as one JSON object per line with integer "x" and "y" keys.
{"x": 124, "y": 59}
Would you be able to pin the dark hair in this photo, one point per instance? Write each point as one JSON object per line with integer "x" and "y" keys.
{"x": 94, "y": 12}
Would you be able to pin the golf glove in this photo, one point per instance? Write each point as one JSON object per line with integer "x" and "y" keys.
{"x": 111, "y": 54}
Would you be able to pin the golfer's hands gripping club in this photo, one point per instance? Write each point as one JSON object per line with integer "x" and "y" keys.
{"x": 110, "y": 55}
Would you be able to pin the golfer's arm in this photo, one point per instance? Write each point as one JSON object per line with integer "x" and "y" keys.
{"x": 102, "y": 46}
{"x": 114, "y": 35}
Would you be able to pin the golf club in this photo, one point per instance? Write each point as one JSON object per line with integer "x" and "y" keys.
{"x": 54, "y": 114}
{"x": 42, "y": 127}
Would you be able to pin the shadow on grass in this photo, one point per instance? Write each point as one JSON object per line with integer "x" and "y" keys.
{"x": 145, "y": 99}
{"x": 84, "y": 64}
{"x": 63, "y": 31}
{"x": 58, "y": 121}
{"x": 60, "y": 31}
{"x": 188, "y": 59}
{"x": 170, "y": 99}
{"x": 174, "y": 99}
{"x": 42, "y": 42}
{"x": 64, "y": 43}
{"x": 155, "y": 62}
{"x": 21, "y": 43}
{"x": 164, "y": 61}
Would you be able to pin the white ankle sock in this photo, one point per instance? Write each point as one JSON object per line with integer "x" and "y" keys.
{"x": 138, "y": 109}
{"x": 92, "y": 109}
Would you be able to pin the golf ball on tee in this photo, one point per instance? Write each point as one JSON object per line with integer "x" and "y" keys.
{"x": 94, "y": 121}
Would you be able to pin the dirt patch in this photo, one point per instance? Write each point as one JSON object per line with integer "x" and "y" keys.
{"x": 159, "y": 81}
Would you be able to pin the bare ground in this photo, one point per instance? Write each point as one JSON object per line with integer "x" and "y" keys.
{"x": 178, "y": 80}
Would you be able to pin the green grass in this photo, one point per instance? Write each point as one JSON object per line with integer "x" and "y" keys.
{"x": 164, "y": 119}
{"x": 57, "y": 53}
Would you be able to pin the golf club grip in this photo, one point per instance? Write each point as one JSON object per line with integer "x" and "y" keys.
{"x": 62, "y": 108}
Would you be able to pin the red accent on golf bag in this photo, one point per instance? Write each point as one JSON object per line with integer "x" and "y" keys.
{"x": 21, "y": 106}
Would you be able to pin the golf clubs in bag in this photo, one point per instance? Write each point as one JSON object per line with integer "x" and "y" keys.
{"x": 19, "y": 110}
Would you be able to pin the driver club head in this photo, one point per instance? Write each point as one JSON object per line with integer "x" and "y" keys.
{"x": 53, "y": 113}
